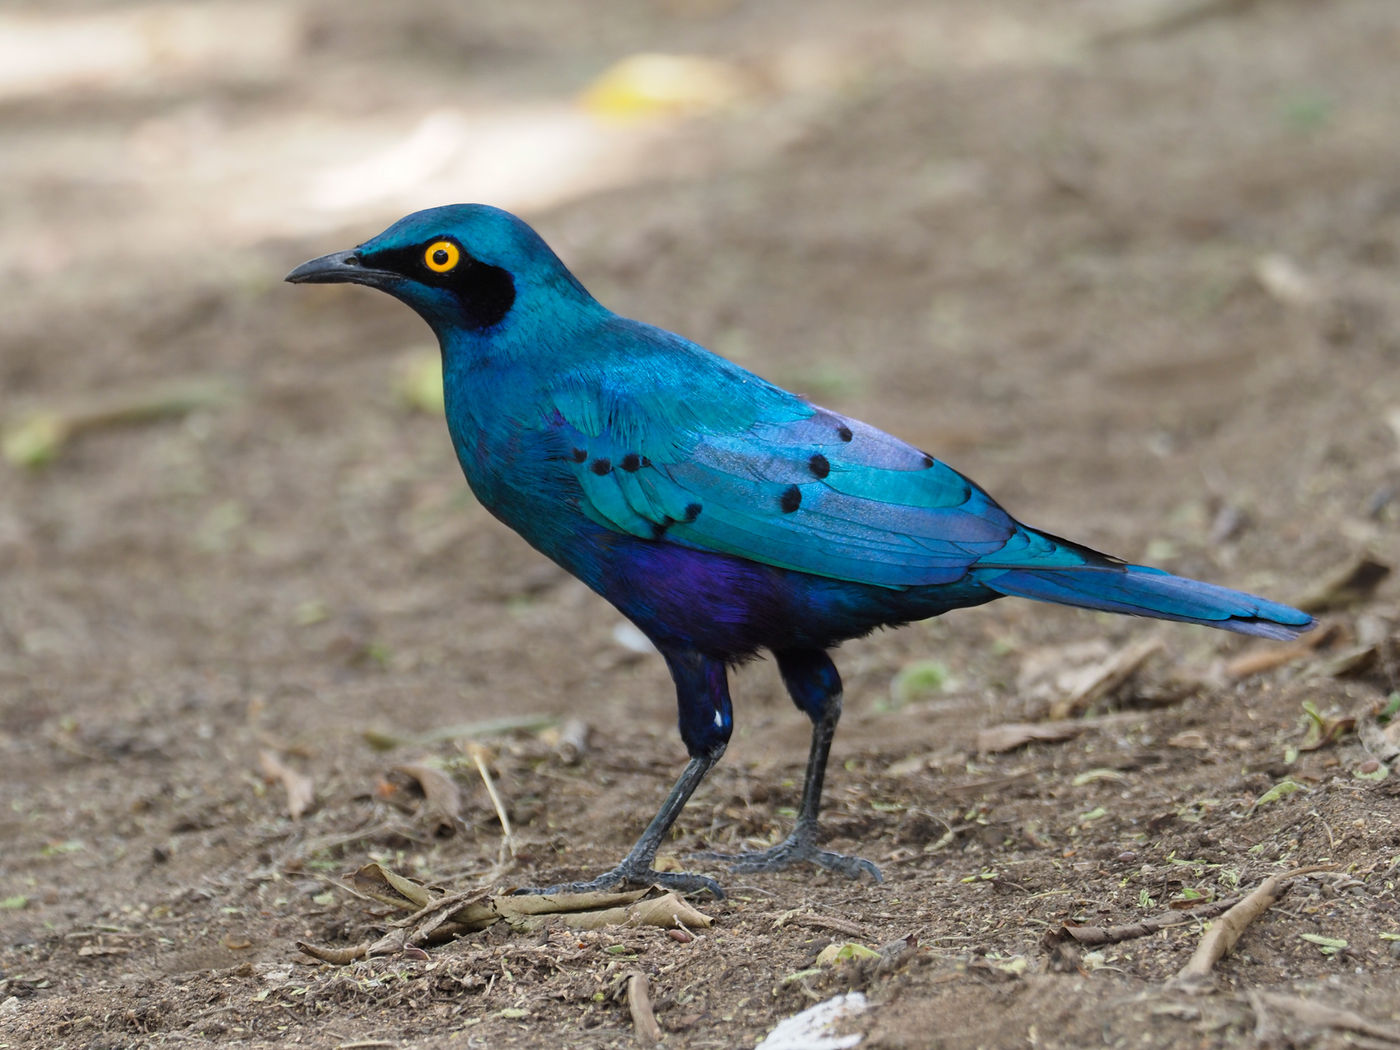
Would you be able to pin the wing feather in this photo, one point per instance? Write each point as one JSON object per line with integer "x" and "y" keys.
{"x": 810, "y": 491}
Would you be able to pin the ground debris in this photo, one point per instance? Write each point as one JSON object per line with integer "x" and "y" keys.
{"x": 300, "y": 788}
{"x": 644, "y": 1023}
{"x": 1222, "y": 936}
{"x": 1094, "y": 936}
{"x": 812, "y": 1028}
{"x": 1072, "y": 678}
{"x": 441, "y": 808}
{"x": 438, "y": 917}
{"x": 1350, "y": 585}
{"x": 1012, "y": 735}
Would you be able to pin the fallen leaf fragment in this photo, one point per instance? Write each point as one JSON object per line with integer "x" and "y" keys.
{"x": 1280, "y": 790}
{"x": 436, "y": 917}
{"x": 1323, "y": 730}
{"x": 334, "y": 956}
{"x": 385, "y": 885}
{"x": 1098, "y": 680}
{"x": 666, "y": 911}
{"x": 1328, "y": 945}
{"x": 442, "y": 800}
{"x": 851, "y": 951}
{"x": 300, "y": 788}
{"x": 1011, "y": 735}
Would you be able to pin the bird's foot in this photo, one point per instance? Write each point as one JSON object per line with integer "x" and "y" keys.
{"x": 795, "y": 849}
{"x": 625, "y": 875}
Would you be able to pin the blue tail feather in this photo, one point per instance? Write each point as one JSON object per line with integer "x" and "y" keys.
{"x": 1141, "y": 591}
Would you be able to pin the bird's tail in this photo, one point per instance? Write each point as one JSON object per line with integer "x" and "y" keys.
{"x": 1103, "y": 583}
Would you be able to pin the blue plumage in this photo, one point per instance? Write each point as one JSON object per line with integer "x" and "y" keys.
{"x": 721, "y": 514}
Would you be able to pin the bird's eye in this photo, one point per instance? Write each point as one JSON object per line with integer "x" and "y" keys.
{"x": 441, "y": 256}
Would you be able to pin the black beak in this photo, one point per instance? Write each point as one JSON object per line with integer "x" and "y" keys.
{"x": 341, "y": 268}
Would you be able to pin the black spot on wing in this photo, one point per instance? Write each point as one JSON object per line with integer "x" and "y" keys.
{"x": 844, "y": 432}
{"x": 791, "y": 499}
{"x": 601, "y": 466}
{"x": 928, "y": 461}
{"x": 819, "y": 466}
{"x": 630, "y": 462}
{"x": 579, "y": 455}
{"x": 658, "y": 528}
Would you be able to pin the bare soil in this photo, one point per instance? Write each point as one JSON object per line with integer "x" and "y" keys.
{"x": 1134, "y": 267}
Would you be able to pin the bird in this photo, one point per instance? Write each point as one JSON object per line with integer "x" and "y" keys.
{"x": 722, "y": 515}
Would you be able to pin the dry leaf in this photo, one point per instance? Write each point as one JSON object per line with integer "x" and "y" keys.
{"x": 1012, "y": 735}
{"x": 442, "y": 801}
{"x": 388, "y": 887}
{"x": 1100, "y": 679}
{"x": 300, "y": 788}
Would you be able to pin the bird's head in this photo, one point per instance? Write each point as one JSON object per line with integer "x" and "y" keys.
{"x": 463, "y": 267}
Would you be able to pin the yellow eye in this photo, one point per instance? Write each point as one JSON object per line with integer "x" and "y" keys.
{"x": 442, "y": 256}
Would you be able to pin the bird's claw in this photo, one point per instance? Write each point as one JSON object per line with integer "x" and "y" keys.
{"x": 622, "y": 877}
{"x": 795, "y": 850}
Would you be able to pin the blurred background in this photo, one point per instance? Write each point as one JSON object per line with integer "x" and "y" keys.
{"x": 1132, "y": 264}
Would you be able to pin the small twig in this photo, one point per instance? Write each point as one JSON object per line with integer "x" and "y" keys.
{"x": 335, "y": 956}
{"x": 1093, "y": 936}
{"x": 507, "y": 836}
{"x": 1222, "y": 936}
{"x": 644, "y": 1023}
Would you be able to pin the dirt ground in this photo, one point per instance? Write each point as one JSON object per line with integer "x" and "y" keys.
{"x": 1134, "y": 267}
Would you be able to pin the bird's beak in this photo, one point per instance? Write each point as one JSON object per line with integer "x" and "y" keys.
{"x": 341, "y": 268}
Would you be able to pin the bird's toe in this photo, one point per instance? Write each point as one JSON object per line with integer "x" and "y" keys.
{"x": 791, "y": 851}
{"x": 621, "y": 878}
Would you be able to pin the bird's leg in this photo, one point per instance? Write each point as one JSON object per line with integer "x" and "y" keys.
{"x": 635, "y": 869}
{"x": 706, "y": 720}
{"x": 815, "y": 687}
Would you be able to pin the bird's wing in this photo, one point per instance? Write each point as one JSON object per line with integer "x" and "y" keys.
{"x": 799, "y": 487}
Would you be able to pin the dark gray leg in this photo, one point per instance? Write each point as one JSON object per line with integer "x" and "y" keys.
{"x": 635, "y": 869}
{"x": 706, "y": 720}
{"x": 815, "y": 687}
